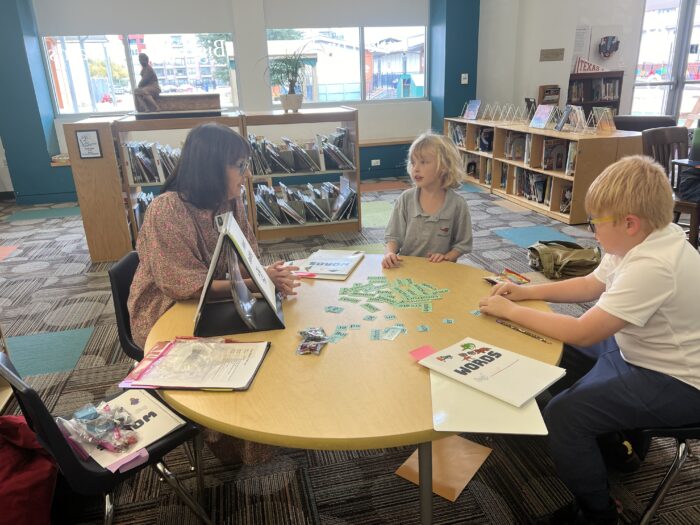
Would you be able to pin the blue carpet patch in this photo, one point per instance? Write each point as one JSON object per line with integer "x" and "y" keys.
{"x": 525, "y": 237}
{"x": 48, "y": 213}
{"x": 473, "y": 188}
{"x": 48, "y": 352}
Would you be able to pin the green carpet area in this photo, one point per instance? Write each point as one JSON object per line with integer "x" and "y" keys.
{"x": 376, "y": 214}
{"x": 44, "y": 213}
{"x": 48, "y": 352}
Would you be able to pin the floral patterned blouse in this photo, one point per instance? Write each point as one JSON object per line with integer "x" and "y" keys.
{"x": 175, "y": 247}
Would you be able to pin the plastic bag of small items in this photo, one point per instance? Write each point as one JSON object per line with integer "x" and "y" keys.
{"x": 103, "y": 426}
{"x": 314, "y": 339}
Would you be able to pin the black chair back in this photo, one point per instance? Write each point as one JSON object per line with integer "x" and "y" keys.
{"x": 121, "y": 275}
{"x": 642, "y": 122}
{"x": 85, "y": 477}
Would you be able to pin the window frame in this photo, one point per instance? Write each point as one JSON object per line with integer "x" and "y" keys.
{"x": 363, "y": 88}
{"x": 679, "y": 62}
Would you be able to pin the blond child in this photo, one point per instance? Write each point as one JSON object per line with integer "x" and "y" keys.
{"x": 430, "y": 220}
{"x": 641, "y": 339}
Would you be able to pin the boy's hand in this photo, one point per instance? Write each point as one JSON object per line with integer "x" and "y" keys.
{"x": 437, "y": 257}
{"x": 497, "y": 306}
{"x": 285, "y": 281}
{"x": 391, "y": 260}
{"x": 512, "y": 291}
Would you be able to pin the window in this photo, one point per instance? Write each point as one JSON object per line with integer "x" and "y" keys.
{"x": 393, "y": 59}
{"x": 90, "y": 74}
{"x": 394, "y": 62}
{"x": 668, "y": 68}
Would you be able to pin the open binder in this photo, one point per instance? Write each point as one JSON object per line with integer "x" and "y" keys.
{"x": 243, "y": 312}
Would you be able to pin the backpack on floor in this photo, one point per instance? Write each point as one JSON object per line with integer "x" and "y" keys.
{"x": 562, "y": 259}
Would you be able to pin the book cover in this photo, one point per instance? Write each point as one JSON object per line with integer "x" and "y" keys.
{"x": 331, "y": 264}
{"x": 153, "y": 420}
{"x": 542, "y": 116}
{"x": 553, "y": 154}
{"x": 199, "y": 363}
{"x": 571, "y": 158}
{"x": 505, "y": 375}
{"x": 472, "y": 109}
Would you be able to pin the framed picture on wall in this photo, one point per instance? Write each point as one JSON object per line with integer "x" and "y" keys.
{"x": 88, "y": 144}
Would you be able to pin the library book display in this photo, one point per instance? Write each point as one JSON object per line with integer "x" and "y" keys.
{"x": 545, "y": 170}
{"x": 359, "y": 393}
{"x": 311, "y": 188}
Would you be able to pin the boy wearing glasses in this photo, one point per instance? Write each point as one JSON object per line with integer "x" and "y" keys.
{"x": 639, "y": 345}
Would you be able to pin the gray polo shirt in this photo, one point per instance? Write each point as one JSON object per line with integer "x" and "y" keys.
{"x": 418, "y": 233}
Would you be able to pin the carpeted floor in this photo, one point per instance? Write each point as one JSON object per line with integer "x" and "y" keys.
{"x": 52, "y": 296}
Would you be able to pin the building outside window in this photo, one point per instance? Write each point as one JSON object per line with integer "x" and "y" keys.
{"x": 667, "y": 79}
{"x": 393, "y": 59}
{"x": 90, "y": 74}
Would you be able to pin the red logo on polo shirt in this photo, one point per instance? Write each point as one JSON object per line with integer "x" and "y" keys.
{"x": 444, "y": 230}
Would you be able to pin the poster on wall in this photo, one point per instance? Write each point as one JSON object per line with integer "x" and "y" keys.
{"x": 599, "y": 45}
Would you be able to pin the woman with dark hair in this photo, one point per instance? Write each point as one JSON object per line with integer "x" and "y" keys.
{"x": 179, "y": 236}
{"x": 179, "y": 232}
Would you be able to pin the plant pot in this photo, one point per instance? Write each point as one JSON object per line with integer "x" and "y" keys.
{"x": 291, "y": 102}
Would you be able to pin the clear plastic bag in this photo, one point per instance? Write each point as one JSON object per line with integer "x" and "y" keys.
{"x": 103, "y": 426}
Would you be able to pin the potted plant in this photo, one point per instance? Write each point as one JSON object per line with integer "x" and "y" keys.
{"x": 287, "y": 71}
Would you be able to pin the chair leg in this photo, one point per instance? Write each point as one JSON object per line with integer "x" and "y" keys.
{"x": 693, "y": 229}
{"x": 198, "y": 445}
{"x": 188, "y": 446}
{"x": 168, "y": 476}
{"x": 109, "y": 509}
{"x": 667, "y": 482}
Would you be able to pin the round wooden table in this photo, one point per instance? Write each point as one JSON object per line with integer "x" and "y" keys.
{"x": 358, "y": 393}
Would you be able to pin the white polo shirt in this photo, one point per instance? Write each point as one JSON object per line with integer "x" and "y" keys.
{"x": 655, "y": 287}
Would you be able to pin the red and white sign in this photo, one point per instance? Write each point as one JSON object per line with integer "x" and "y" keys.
{"x": 584, "y": 66}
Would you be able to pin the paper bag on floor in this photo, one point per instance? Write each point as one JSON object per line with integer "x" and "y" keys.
{"x": 455, "y": 461}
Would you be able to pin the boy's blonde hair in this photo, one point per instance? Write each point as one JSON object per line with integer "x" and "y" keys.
{"x": 634, "y": 185}
{"x": 449, "y": 161}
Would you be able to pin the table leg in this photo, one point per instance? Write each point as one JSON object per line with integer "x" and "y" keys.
{"x": 425, "y": 482}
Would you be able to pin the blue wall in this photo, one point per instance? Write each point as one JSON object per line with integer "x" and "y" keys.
{"x": 454, "y": 46}
{"x": 26, "y": 112}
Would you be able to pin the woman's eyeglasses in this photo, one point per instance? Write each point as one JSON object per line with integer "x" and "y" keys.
{"x": 244, "y": 165}
{"x": 598, "y": 220}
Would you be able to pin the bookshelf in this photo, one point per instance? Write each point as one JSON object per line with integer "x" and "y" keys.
{"x": 600, "y": 88}
{"x": 540, "y": 169}
{"x": 107, "y": 186}
{"x": 152, "y": 134}
{"x": 303, "y": 127}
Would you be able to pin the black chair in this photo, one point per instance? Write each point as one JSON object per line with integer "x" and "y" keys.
{"x": 642, "y": 122}
{"x": 665, "y": 145}
{"x": 681, "y": 435}
{"x": 121, "y": 275}
{"x": 88, "y": 477}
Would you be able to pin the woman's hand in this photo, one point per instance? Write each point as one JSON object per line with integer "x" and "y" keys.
{"x": 391, "y": 260}
{"x": 497, "y": 306}
{"x": 285, "y": 281}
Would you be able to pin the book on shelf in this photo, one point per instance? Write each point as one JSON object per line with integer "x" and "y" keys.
{"x": 503, "y": 374}
{"x": 302, "y": 159}
{"x": 528, "y": 148}
{"x": 472, "y": 109}
{"x": 564, "y": 118}
{"x": 553, "y": 153}
{"x": 548, "y": 191}
{"x": 471, "y": 165}
{"x": 457, "y": 133}
{"x": 504, "y": 175}
{"x": 320, "y": 139}
{"x": 571, "y": 153}
{"x": 542, "y": 116}
{"x": 566, "y": 196}
{"x": 603, "y": 118}
{"x": 195, "y": 363}
{"x": 489, "y": 174}
{"x": 335, "y": 265}
{"x": 153, "y": 420}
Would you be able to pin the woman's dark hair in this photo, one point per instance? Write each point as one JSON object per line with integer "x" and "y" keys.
{"x": 200, "y": 176}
